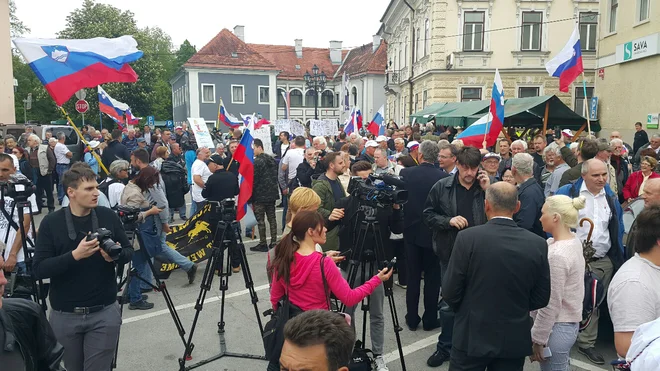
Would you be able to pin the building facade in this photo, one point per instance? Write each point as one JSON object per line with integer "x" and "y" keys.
{"x": 257, "y": 78}
{"x": 628, "y": 62}
{"x": 447, "y": 51}
{"x": 7, "y": 110}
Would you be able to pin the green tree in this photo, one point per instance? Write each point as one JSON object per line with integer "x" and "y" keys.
{"x": 186, "y": 50}
{"x": 43, "y": 108}
{"x": 16, "y": 27}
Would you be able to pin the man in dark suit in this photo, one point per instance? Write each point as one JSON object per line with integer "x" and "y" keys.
{"x": 417, "y": 237}
{"x": 492, "y": 286}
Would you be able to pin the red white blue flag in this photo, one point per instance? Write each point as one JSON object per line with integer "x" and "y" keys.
{"x": 245, "y": 156}
{"x": 130, "y": 119}
{"x": 112, "y": 107}
{"x": 66, "y": 66}
{"x": 567, "y": 65}
{"x": 354, "y": 122}
{"x": 490, "y": 125}
{"x": 227, "y": 119}
{"x": 377, "y": 125}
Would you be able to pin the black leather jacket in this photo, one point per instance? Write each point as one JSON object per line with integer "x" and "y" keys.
{"x": 441, "y": 207}
{"x": 25, "y": 324}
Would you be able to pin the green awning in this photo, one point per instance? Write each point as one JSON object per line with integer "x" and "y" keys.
{"x": 456, "y": 114}
{"x": 427, "y": 113}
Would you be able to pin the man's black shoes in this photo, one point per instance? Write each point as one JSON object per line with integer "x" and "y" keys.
{"x": 141, "y": 305}
{"x": 437, "y": 359}
{"x": 259, "y": 248}
{"x": 592, "y": 355}
{"x": 191, "y": 274}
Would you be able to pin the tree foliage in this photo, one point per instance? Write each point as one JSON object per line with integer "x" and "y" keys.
{"x": 186, "y": 50}
{"x": 16, "y": 27}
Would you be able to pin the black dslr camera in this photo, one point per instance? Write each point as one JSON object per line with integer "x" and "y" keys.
{"x": 127, "y": 215}
{"x": 18, "y": 187}
{"x": 105, "y": 241}
{"x": 378, "y": 190}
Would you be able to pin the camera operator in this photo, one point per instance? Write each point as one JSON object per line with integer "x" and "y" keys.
{"x": 390, "y": 221}
{"x": 13, "y": 255}
{"x": 83, "y": 288}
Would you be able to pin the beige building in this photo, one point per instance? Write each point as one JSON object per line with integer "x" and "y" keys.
{"x": 629, "y": 64}
{"x": 447, "y": 51}
{"x": 7, "y": 114}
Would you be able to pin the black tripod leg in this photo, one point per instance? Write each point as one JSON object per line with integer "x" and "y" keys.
{"x": 247, "y": 275}
{"x": 356, "y": 258}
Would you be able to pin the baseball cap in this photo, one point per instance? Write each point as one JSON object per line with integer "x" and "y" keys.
{"x": 216, "y": 159}
{"x": 413, "y": 145}
{"x": 94, "y": 143}
{"x": 381, "y": 138}
{"x": 491, "y": 155}
{"x": 567, "y": 133}
{"x": 140, "y": 140}
{"x": 371, "y": 143}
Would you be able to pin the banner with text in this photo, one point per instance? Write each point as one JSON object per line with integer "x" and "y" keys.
{"x": 297, "y": 128}
{"x": 201, "y": 131}
{"x": 263, "y": 133}
{"x": 282, "y": 125}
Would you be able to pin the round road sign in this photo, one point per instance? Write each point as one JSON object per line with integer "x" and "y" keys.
{"x": 82, "y": 106}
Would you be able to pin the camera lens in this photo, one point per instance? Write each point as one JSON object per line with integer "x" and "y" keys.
{"x": 111, "y": 248}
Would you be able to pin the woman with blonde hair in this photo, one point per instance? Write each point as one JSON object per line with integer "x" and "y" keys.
{"x": 556, "y": 326}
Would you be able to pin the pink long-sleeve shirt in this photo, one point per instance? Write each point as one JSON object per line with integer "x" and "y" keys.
{"x": 306, "y": 284}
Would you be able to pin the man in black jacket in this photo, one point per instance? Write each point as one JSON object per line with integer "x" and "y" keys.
{"x": 530, "y": 194}
{"x": 641, "y": 138}
{"x": 308, "y": 168}
{"x": 454, "y": 203}
{"x": 115, "y": 150}
{"x": 264, "y": 195}
{"x": 493, "y": 286}
{"x": 417, "y": 237}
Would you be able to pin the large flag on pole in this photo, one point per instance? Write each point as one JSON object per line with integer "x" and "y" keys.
{"x": 285, "y": 96}
{"x": 354, "y": 121}
{"x": 112, "y": 107}
{"x": 66, "y": 66}
{"x": 377, "y": 124}
{"x": 345, "y": 100}
{"x": 227, "y": 119}
{"x": 490, "y": 125}
{"x": 245, "y": 156}
{"x": 567, "y": 65}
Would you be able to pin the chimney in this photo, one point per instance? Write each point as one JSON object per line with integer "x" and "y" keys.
{"x": 335, "y": 52}
{"x": 376, "y": 42}
{"x": 298, "y": 48}
{"x": 239, "y": 31}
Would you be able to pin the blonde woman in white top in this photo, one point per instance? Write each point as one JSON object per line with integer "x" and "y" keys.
{"x": 556, "y": 325}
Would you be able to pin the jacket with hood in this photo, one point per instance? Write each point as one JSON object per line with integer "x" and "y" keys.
{"x": 323, "y": 188}
{"x": 306, "y": 289}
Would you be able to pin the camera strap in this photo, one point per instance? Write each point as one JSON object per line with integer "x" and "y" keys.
{"x": 69, "y": 223}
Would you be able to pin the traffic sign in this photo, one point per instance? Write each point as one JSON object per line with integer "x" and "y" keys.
{"x": 593, "y": 109}
{"x": 82, "y": 106}
{"x": 151, "y": 120}
{"x": 81, "y": 94}
{"x": 169, "y": 124}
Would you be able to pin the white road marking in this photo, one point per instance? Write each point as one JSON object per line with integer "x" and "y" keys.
{"x": 586, "y": 366}
{"x": 191, "y": 305}
{"x": 411, "y": 348}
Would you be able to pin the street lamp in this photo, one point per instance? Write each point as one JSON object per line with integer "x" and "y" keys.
{"x": 315, "y": 82}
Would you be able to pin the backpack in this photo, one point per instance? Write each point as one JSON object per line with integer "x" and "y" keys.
{"x": 174, "y": 176}
{"x": 105, "y": 186}
{"x": 360, "y": 359}
{"x": 594, "y": 294}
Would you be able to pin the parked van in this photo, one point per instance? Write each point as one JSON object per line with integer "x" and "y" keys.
{"x": 72, "y": 140}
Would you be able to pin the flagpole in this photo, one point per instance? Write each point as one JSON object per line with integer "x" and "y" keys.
{"x": 96, "y": 156}
{"x": 586, "y": 110}
{"x": 485, "y": 143}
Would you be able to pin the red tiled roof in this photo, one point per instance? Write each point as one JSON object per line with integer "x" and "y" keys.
{"x": 218, "y": 54}
{"x": 285, "y": 58}
{"x": 363, "y": 60}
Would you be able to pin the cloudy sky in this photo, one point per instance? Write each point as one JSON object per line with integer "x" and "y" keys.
{"x": 266, "y": 21}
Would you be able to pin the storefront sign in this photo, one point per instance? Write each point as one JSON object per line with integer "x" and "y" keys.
{"x": 639, "y": 48}
{"x": 652, "y": 121}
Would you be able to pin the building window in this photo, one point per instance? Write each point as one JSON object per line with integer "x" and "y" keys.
{"x": 528, "y": 91}
{"x": 310, "y": 98}
{"x": 470, "y": 94}
{"x": 416, "y": 102}
{"x": 614, "y": 7}
{"x": 401, "y": 62}
{"x": 208, "y": 93}
{"x": 264, "y": 95}
{"x": 531, "y": 31}
{"x": 405, "y": 52}
{"x": 281, "y": 102}
{"x": 424, "y": 98}
{"x": 579, "y": 99}
{"x": 327, "y": 99}
{"x": 588, "y": 27}
{"x": 642, "y": 10}
{"x": 427, "y": 37}
{"x": 418, "y": 48}
{"x": 238, "y": 94}
{"x": 295, "y": 98}
{"x": 354, "y": 95}
{"x": 473, "y": 31}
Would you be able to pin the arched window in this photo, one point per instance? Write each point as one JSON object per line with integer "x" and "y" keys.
{"x": 327, "y": 99}
{"x": 280, "y": 98}
{"x": 354, "y": 94}
{"x": 405, "y": 53}
{"x": 427, "y": 37}
{"x": 296, "y": 98}
{"x": 418, "y": 46}
{"x": 310, "y": 98}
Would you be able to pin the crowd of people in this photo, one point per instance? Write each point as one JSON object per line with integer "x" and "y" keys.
{"x": 519, "y": 295}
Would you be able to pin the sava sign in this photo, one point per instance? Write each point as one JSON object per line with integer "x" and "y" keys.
{"x": 637, "y": 49}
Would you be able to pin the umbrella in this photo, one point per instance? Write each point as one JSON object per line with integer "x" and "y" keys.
{"x": 587, "y": 245}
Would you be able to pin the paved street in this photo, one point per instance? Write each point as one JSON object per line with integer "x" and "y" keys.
{"x": 149, "y": 340}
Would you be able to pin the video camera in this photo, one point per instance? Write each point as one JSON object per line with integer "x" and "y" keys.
{"x": 127, "y": 215}
{"x": 17, "y": 187}
{"x": 106, "y": 243}
{"x": 226, "y": 209}
{"x": 378, "y": 190}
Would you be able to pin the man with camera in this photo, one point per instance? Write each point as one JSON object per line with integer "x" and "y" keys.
{"x": 83, "y": 288}
{"x": 390, "y": 220}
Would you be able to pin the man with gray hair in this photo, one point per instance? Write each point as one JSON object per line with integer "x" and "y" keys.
{"x": 400, "y": 148}
{"x": 430, "y": 128}
{"x": 553, "y": 154}
{"x": 530, "y": 194}
{"x": 112, "y": 185}
{"x": 42, "y": 158}
{"x": 382, "y": 165}
{"x": 63, "y": 157}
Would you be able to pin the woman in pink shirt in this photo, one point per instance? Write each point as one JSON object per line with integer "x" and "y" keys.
{"x": 296, "y": 268}
{"x": 556, "y": 326}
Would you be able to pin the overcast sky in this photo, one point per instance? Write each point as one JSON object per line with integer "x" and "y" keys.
{"x": 266, "y": 21}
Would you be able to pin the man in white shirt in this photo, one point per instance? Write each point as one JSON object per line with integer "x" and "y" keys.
{"x": 200, "y": 174}
{"x": 634, "y": 294}
{"x": 112, "y": 186}
{"x": 13, "y": 254}
{"x": 293, "y": 158}
{"x": 63, "y": 157}
{"x": 447, "y": 158}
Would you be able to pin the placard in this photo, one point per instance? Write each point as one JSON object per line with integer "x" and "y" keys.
{"x": 263, "y": 133}
{"x": 331, "y": 127}
{"x": 297, "y": 128}
{"x": 282, "y": 125}
{"x": 201, "y": 131}
{"x": 317, "y": 127}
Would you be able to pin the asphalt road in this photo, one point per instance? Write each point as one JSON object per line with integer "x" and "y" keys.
{"x": 149, "y": 339}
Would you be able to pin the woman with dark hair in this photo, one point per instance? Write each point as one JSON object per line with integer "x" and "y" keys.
{"x": 406, "y": 161}
{"x": 23, "y": 163}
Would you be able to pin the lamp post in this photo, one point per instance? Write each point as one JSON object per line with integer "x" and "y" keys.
{"x": 315, "y": 82}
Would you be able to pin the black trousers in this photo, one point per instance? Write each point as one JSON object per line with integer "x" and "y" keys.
{"x": 401, "y": 261}
{"x": 420, "y": 260}
{"x": 460, "y": 361}
{"x": 45, "y": 184}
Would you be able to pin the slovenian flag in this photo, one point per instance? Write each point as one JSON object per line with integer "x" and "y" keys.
{"x": 112, "y": 107}
{"x": 226, "y": 118}
{"x": 354, "y": 122}
{"x": 567, "y": 65}
{"x": 245, "y": 156}
{"x": 489, "y": 126}
{"x": 377, "y": 125}
{"x": 130, "y": 119}
{"x": 66, "y": 66}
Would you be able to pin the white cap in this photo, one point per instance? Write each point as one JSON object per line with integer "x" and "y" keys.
{"x": 94, "y": 143}
{"x": 567, "y": 132}
{"x": 371, "y": 143}
{"x": 381, "y": 138}
{"x": 412, "y": 144}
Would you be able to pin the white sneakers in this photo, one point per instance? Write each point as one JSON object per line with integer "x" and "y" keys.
{"x": 380, "y": 364}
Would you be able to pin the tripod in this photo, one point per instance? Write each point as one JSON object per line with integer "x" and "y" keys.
{"x": 38, "y": 288}
{"x": 359, "y": 257}
{"x": 133, "y": 233}
{"x": 227, "y": 236}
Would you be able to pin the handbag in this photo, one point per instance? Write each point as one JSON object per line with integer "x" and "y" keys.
{"x": 273, "y": 335}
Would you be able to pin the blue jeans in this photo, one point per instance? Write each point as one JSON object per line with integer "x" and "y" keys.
{"x": 193, "y": 206}
{"x": 285, "y": 208}
{"x": 60, "y": 169}
{"x": 20, "y": 268}
{"x": 181, "y": 210}
{"x": 561, "y": 341}
{"x": 171, "y": 255}
{"x": 447, "y": 320}
{"x": 150, "y": 244}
